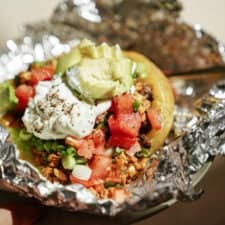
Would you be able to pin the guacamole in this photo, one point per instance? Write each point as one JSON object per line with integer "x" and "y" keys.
{"x": 96, "y": 72}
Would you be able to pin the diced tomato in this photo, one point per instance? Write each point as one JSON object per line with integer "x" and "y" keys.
{"x": 24, "y": 93}
{"x": 100, "y": 165}
{"x": 125, "y": 124}
{"x": 86, "y": 149}
{"x": 122, "y": 142}
{"x": 100, "y": 150}
{"x": 86, "y": 183}
{"x": 98, "y": 138}
{"x": 122, "y": 104}
{"x": 119, "y": 195}
{"x": 154, "y": 119}
{"x": 41, "y": 74}
{"x": 93, "y": 144}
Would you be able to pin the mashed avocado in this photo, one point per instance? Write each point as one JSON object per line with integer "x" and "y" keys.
{"x": 96, "y": 72}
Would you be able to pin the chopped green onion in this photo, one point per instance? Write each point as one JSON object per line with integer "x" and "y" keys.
{"x": 144, "y": 153}
{"x": 136, "y": 106}
{"x": 47, "y": 146}
{"x": 81, "y": 161}
{"x": 68, "y": 162}
{"x": 54, "y": 146}
{"x": 117, "y": 152}
{"x": 24, "y": 135}
{"x": 71, "y": 151}
{"x": 60, "y": 148}
{"x": 37, "y": 144}
{"x": 133, "y": 70}
{"x": 109, "y": 184}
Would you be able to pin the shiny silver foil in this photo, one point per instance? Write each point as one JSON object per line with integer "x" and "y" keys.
{"x": 175, "y": 46}
{"x": 197, "y": 136}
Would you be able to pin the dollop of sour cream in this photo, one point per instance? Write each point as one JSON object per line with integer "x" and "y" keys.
{"x": 55, "y": 112}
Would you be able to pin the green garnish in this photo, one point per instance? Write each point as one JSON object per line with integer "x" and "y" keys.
{"x": 69, "y": 151}
{"x": 144, "y": 153}
{"x": 68, "y": 162}
{"x": 117, "y": 151}
{"x": 109, "y": 184}
{"x": 81, "y": 161}
{"x": 136, "y": 106}
{"x": 43, "y": 145}
{"x": 24, "y": 135}
{"x": 71, "y": 158}
{"x": 26, "y": 141}
{"x": 21, "y": 144}
{"x": 7, "y": 96}
{"x": 133, "y": 70}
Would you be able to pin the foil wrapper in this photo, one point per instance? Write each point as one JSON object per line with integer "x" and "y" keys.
{"x": 172, "y": 44}
{"x": 178, "y": 160}
{"x": 199, "y": 129}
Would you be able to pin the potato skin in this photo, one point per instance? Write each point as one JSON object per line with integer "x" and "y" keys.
{"x": 163, "y": 99}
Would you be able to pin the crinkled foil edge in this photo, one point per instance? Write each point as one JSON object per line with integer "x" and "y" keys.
{"x": 202, "y": 138}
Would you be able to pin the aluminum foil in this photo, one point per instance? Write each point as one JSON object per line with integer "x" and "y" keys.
{"x": 178, "y": 160}
{"x": 199, "y": 135}
{"x": 172, "y": 44}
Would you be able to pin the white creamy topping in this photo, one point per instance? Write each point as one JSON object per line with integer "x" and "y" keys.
{"x": 55, "y": 112}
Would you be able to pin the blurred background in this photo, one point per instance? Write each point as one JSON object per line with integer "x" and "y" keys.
{"x": 210, "y": 209}
{"x": 13, "y": 14}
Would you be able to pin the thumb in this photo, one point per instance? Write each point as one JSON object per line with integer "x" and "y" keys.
{"x": 19, "y": 214}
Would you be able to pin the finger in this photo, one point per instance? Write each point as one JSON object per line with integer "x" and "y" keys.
{"x": 6, "y": 217}
{"x": 19, "y": 214}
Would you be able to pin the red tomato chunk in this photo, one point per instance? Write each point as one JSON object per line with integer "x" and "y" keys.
{"x": 86, "y": 149}
{"x": 125, "y": 125}
{"x": 122, "y": 104}
{"x": 122, "y": 142}
{"x": 41, "y": 74}
{"x": 24, "y": 93}
{"x": 98, "y": 138}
